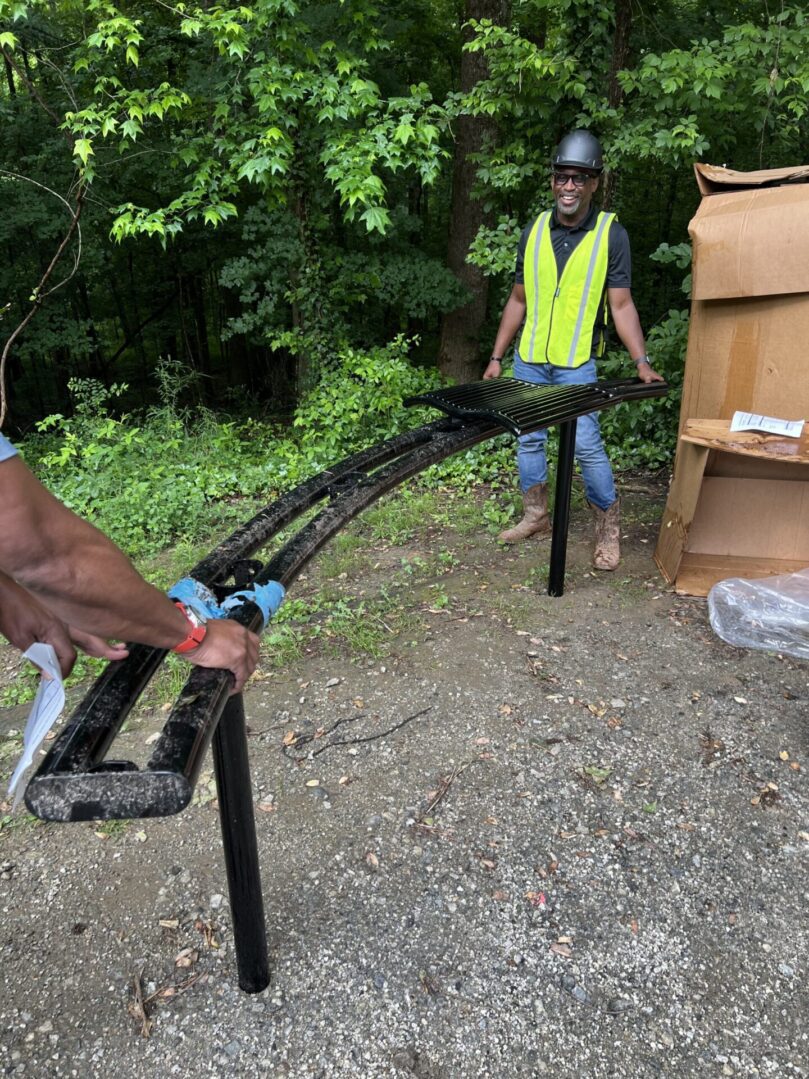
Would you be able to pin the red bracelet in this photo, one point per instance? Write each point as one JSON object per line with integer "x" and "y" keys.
{"x": 198, "y": 630}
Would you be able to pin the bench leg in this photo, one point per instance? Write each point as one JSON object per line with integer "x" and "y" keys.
{"x": 235, "y": 791}
{"x": 561, "y": 507}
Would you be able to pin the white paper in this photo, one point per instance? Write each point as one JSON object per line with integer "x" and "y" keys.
{"x": 751, "y": 421}
{"x": 46, "y": 709}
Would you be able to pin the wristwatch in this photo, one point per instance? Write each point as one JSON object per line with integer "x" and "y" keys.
{"x": 496, "y": 359}
{"x": 197, "y": 628}
{"x": 641, "y": 359}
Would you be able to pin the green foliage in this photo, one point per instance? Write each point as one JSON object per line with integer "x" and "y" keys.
{"x": 487, "y": 463}
{"x": 413, "y": 285}
{"x": 439, "y": 598}
{"x": 146, "y": 483}
{"x": 494, "y": 249}
{"x": 713, "y": 94}
{"x": 680, "y": 256}
{"x": 395, "y": 520}
{"x": 337, "y": 625}
{"x": 302, "y": 133}
{"x": 358, "y": 627}
{"x": 318, "y": 120}
{"x": 171, "y": 474}
{"x": 498, "y": 513}
{"x": 359, "y": 402}
{"x": 340, "y": 556}
{"x": 284, "y": 76}
{"x": 644, "y": 433}
{"x": 11, "y": 822}
{"x": 347, "y": 294}
{"x": 11, "y": 743}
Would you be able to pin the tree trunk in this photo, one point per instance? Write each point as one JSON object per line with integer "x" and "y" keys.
{"x": 98, "y": 366}
{"x": 459, "y": 346}
{"x": 12, "y": 92}
{"x": 620, "y": 52}
{"x": 203, "y": 351}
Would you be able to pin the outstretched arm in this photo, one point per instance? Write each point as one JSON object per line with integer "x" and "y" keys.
{"x": 90, "y": 584}
{"x": 510, "y": 322}
{"x": 24, "y": 621}
{"x": 627, "y": 324}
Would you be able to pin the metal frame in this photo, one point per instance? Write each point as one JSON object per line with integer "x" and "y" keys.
{"x": 76, "y": 782}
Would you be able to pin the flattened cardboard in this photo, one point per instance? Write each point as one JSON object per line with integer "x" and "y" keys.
{"x": 746, "y": 518}
{"x": 749, "y": 355}
{"x": 680, "y": 508}
{"x": 751, "y": 243}
{"x": 730, "y": 511}
{"x": 713, "y": 178}
{"x": 698, "y": 573}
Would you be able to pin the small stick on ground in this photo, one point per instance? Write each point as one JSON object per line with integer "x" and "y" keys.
{"x": 444, "y": 785}
{"x": 141, "y": 1007}
{"x": 168, "y": 992}
{"x": 138, "y": 1008}
{"x": 302, "y": 739}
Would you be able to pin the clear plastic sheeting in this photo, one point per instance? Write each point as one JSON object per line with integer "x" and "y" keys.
{"x": 771, "y": 613}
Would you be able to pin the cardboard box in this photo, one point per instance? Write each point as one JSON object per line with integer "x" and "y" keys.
{"x": 739, "y": 507}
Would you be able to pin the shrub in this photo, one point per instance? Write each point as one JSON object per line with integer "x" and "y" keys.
{"x": 146, "y": 482}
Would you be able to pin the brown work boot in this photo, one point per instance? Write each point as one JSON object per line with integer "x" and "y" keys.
{"x": 607, "y": 551}
{"x": 535, "y": 516}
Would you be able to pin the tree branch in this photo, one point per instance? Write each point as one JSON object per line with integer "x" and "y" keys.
{"x": 32, "y": 90}
{"x": 39, "y": 293}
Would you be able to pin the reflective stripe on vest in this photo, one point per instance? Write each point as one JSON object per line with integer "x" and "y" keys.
{"x": 561, "y": 314}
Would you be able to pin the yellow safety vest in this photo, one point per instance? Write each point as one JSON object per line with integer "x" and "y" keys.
{"x": 561, "y": 313}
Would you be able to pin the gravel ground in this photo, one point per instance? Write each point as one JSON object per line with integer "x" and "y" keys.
{"x": 583, "y": 852}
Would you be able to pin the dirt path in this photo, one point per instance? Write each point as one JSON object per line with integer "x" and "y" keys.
{"x": 583, "y": 854}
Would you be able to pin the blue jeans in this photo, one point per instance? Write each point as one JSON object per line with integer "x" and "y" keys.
{"x": 532, "y": 461}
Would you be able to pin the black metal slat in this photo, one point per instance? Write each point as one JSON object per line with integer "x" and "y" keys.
{"x": 194, "y": 717}
{"x": 178, "y": 754}
{"x": 166, "y": 784}
{"x": 529, "y": 416}
{"x": 521, "y": 407}
{"x": 96, "y": 720}
{"x": 520, "y": 413}
{"x": 498, "y": 395}
{"x": 496, "y": 390}
{"x": 538, "y": 411}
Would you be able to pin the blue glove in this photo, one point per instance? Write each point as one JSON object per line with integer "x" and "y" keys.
{"x": 267, "y": 597}
{"x": 197, "y": 597}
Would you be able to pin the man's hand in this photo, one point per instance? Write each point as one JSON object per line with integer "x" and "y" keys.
{"x": 97, "y": 646}
{"x": 510, "y": 322}
{"x": 25, "y": 621}
{"x": 646, "y": 374}
{"x": 227, "y": 646}
{"x": 84, "y": 582}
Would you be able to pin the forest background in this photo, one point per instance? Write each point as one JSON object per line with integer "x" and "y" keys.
{"x": 235, "y": 238}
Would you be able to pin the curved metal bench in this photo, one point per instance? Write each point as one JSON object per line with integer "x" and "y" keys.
{"x": 76, "y": 781}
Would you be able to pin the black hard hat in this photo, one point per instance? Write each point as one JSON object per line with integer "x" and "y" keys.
{"x": 579, "y": 149}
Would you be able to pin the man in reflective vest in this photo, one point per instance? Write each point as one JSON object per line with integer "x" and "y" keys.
{"x": 572, "y": 262}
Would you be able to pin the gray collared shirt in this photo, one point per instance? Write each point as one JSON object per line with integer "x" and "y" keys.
{"x": 6, "y": 449}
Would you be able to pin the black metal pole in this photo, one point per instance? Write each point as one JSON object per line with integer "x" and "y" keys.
{"x": 561, "y": 508}
{"x": 235, "y": 791}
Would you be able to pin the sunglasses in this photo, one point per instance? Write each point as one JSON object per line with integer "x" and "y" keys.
{"x": 579, "y": 178}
